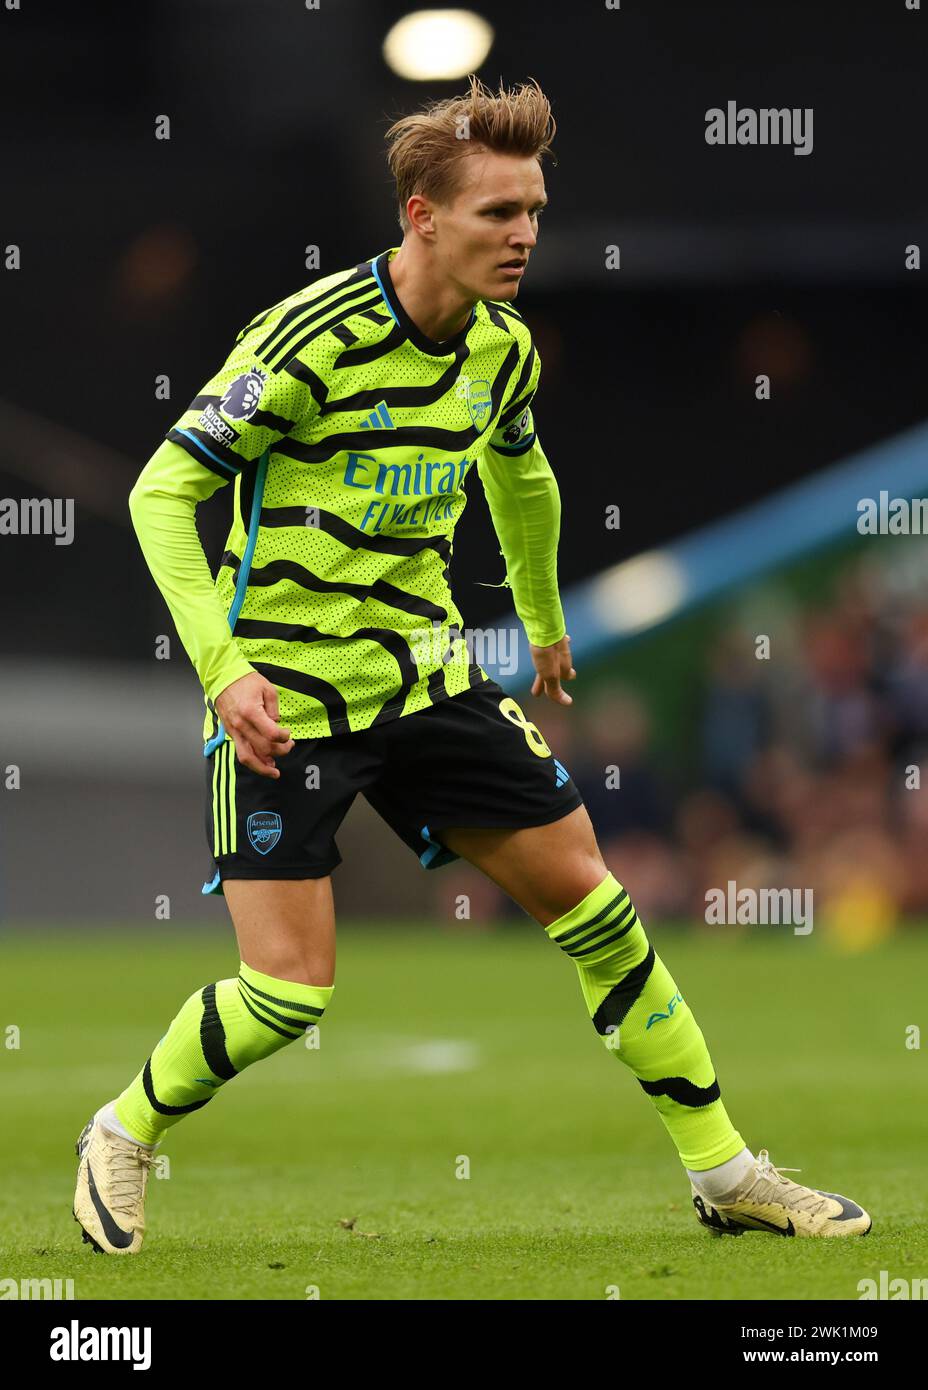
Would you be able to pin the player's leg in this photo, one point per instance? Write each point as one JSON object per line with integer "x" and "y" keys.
{"x": 555, "y": 872}
{"x": 286, "y": 935}
{"x": 285, "y": 927}
{"x": 273, "y": 842}
{"x": 273, "y": 846}
{"x": 475, "y": 760}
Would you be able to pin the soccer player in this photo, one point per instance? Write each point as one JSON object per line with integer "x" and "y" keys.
{"x": 333, "y": 662}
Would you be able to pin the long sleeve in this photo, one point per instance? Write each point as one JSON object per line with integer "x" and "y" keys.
{"x": 241, "y": 411}
{"x": 525, "y": 507}
{"x": 163, "y": 505}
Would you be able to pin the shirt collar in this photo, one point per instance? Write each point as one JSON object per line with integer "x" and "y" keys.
{"x": 380, "y": 266}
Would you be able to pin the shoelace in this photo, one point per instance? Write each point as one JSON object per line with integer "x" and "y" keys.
{"x": 765, "y": 1169}
{"x": 128, "y": 1167}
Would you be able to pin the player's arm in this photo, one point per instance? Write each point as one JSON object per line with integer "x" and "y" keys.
{"x": 246, "y": 408}
{"x": 163, "y": 506}
{"x": 525, "y": 507}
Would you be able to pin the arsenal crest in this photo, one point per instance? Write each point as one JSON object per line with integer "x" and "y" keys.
{"x": 480, "y": 402}
{"x": 264, "y": 830}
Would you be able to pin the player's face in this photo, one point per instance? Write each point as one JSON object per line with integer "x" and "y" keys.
{"x": 492, "y": 223}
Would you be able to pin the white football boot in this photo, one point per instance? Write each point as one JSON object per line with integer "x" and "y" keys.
{"x": 766, "y": 1201}
{"x": 109, "y": 1203}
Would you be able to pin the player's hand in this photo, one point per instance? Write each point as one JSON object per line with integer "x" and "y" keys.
{"x": 249, "y": 709}
{"x": 553, "y": 665}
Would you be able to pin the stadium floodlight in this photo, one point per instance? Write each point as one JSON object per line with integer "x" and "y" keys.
{"x": 639, "y": 592}
{"x": 437, "y": 44}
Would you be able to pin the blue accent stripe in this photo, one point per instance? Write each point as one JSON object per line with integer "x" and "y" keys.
{"x": 253, "y": 524}
{"x": 521, "y": 448}
{"x": 376, "y": 274}
{"x": 232, "y": 472}
{"x": 238, "y": 599}
{"x": 437, "y": 854}
{"x": 427, "y": 855}
{"x": 211, "y": 886}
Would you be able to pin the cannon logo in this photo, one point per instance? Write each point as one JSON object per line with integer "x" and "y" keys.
{"x": 242, "y": 396}
{"x": 264, "y": 830}
{"x": 479, "y": 401}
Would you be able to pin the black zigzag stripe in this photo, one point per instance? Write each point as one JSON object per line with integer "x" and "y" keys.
{"x": 393, "y": 642}
{"x": 262, "y": 576}
{"x": 358, "y": 440}
{"x": 301, "y": 371}
{"x": 576, "y": 935}
{"x": 513, "y": 411}
{"x": 682, "y": 1091}
{"x": 617, "y": 1003}
{"x": 213, "y": 1037}
{"x": 328, "y": 695}
{"x": 259, "y": 420}
{"x": 307, "y": 312}
{"x": 257, "y": 321}
{"x": 370, "y": 352}
{"x": 396, "y": 397}
{"x": 343, "y": 531}
{"x": 162, "y": 1109}
{"x": 399, "y": 397}
{"x": 284, "y": 1033}
{"x": 495, "y": 316}
{"x": 505, "y": 309}
{"x": 518, "y": 405}
{"x": 344, "y": 334}
{"x": 610, "y": 940}
{"x": 313, "y": 1009}
{"x": 303, "y": 333}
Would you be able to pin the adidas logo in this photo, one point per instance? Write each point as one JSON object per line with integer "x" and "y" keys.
{"x": 561, "y": 774}
{"x": 378, "y": 419}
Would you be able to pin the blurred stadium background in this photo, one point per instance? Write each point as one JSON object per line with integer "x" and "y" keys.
{"x": 140, "y": 259}
{"x": 143, "y": 257}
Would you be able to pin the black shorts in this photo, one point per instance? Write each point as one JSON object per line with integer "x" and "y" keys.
{"x": 472, "y": 760}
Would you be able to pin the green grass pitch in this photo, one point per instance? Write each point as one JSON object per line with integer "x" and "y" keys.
{"x": 444, "y": 1045}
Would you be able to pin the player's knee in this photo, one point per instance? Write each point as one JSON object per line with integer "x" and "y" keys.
{"x": 581, "y": 875}
{"x": 273, "y": 1011}
{"x": 602, "y": 924}
{"x": 311, "y": 970}
{"x": 297, "y": 964}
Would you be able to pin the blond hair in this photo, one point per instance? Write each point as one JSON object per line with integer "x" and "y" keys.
{"x": 424, "y": 149}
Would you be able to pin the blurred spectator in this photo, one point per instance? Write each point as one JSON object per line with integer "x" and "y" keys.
{"x": 808, "y": 770}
